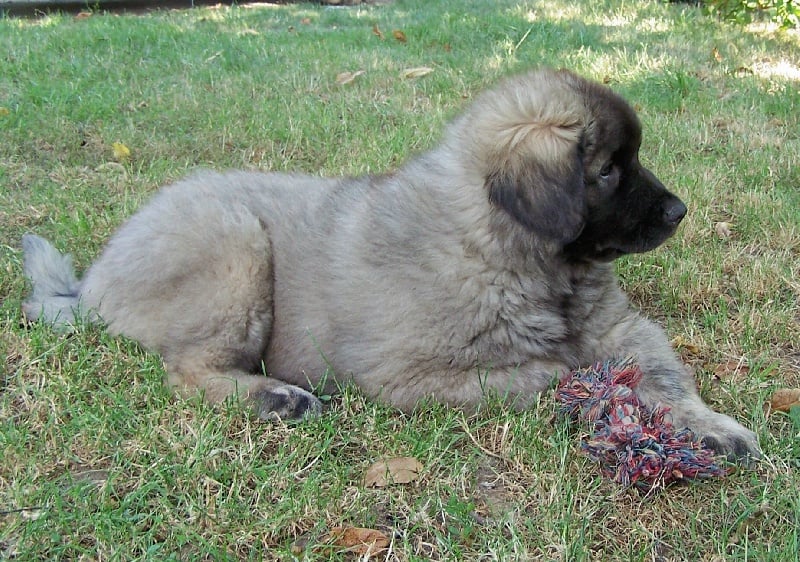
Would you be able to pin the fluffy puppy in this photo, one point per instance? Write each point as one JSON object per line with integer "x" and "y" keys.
{"x": 483, "y": 265}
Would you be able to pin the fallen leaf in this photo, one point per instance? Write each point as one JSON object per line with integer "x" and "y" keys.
{"x": 729, "y": 369}
{"x": 94, "y": 477}
{"x": 347, "y": 77}
{"x": 121, "y": 152}
{"x": 418, "y": 72}
{"x": 377, "y": 31}
{"x": 83, "y": 15}
{"x": 784, "y": 399}
{"x": 305, "y": 21}
{"x": 4, "y": 112}
{"x": 679, "y": 342}
{"x": 400, "y": 470}
{"x": 716, "y": 54}
{"x": 364, "y": 542}
{"x": 399, "y": 35}
{"x": 723, "y": 229}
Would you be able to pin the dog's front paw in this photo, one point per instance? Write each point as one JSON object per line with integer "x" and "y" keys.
{"x": 727, "y": 437}
{"x": 285, "y": 402}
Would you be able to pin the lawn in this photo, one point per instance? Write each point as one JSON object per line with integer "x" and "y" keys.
{"x": 99, "y": 462}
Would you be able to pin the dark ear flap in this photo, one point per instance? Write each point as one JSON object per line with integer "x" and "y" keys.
{"x": 548, "y": 200}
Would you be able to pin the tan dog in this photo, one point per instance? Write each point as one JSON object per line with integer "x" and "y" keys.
{"x": 483, "y": 265}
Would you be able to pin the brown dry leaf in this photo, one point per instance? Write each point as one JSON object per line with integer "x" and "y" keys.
{"x": 95, "y": 477}
{"x": 784, "y": 399}
{"x": 359, "y": 540}
{"x": 347, "y": 77}
{"x": 723, "y": 229}
{"x": 410, "y": 73}
{"x": 400, "y": 470}
{"x": 716, "y": 54}
{"x": 305, "y": 21}
{"x": 729, "y": 369}
{"x": 399, "y": 35}
{"x": 679, "y": 342}
{"x": 83, "y": 15}
{"x": 377, "y": 31}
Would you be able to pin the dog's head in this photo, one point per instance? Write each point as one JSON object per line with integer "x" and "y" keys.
{"x": 560, "y": 156}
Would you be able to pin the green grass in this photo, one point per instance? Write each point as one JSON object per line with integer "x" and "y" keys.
{"x": 99, "y": 462}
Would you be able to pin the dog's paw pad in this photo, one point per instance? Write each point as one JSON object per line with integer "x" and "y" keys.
{"x": 285, "y": 402}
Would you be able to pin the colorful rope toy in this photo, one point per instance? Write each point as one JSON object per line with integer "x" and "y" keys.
{"x": 635, "y": 446}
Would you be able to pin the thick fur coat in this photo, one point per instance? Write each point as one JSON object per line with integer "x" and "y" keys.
{"x": 483, "y": 265}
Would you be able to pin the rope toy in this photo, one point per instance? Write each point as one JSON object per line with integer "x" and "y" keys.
{"x": 634, "y": 445}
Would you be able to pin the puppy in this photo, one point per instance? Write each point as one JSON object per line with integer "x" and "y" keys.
{"x": 483, "y": 265}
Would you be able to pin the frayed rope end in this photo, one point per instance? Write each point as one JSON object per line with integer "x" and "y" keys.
{"x": 634, "y": 445}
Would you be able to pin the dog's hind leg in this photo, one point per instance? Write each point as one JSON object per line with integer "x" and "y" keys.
{"x": 268, "y": 397}
{"x": 220, "y": 356}
{"x": 190, "y": 277}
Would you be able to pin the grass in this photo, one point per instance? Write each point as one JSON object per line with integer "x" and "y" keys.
{"x": 99, "y": 462}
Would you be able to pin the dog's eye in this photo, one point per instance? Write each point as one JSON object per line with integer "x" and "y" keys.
{"x": 605, "y": 172}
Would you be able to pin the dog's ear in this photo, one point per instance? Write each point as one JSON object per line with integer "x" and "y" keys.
{"x": 540, "y": 183}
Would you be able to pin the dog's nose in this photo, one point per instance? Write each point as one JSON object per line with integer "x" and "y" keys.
{"x": 674, "y": 210}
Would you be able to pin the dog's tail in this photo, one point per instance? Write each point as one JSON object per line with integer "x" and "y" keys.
{"x": 56, "y": 290}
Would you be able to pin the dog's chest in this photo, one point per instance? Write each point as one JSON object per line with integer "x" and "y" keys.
{"x": 516, "y": 318}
